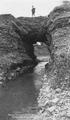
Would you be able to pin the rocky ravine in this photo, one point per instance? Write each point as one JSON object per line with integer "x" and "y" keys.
{"x": 54, "y": 96}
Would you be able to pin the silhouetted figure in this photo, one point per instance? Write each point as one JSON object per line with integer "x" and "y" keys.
{"x": 33, "y": 11}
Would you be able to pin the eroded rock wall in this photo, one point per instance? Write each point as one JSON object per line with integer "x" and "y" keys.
{"x": 59, "y": 27}
{"x": 13, "y": 54}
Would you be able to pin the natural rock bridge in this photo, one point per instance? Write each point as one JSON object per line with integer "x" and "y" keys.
{"x": 17, "y": 36}
{"x": 17, "y": 39}
{"x": 32, "y": 30}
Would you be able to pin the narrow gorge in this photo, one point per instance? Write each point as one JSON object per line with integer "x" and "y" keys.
{"x": 17, "y": 55}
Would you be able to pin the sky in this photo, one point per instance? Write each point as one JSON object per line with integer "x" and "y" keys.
{"x": 23, "y": 7}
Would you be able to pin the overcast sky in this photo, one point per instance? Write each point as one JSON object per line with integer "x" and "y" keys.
{"x": 23, "y": 7}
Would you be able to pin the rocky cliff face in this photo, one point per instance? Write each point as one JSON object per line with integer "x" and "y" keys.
{"x": 59, "y": 27}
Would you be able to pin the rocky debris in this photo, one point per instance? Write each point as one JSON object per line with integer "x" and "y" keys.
{"x": 55, "y": 103}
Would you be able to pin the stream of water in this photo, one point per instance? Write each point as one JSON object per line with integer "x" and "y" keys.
{"x": 21, "y": 93}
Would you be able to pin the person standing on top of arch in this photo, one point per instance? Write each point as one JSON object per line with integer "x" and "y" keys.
{"x": 33, "y": 11}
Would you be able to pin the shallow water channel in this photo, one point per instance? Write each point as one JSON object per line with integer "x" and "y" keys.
{"x": 22, "y": 93}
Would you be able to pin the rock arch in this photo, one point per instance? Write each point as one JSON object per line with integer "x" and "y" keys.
{"x": 17, "y": 36}
{"x": 32, "y": 30}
